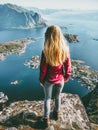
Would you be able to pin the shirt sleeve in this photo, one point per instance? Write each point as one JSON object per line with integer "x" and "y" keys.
{"x": 68, "y": 68}
{"x": 43, "y": 68}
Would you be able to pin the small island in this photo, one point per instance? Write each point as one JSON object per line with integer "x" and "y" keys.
{"x": 71, "y": 38}
{"x": 15, "y": 82}
{"x": 33, "y": 62}
{"x": 14, "y": 47}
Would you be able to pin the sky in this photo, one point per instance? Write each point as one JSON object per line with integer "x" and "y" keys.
{"x": 56, "y": 4}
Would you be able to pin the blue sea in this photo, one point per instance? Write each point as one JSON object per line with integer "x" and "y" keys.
{"x": 82, "y": 23}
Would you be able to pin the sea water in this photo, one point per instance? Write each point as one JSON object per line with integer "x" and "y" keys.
{"x": 83, "y": 23}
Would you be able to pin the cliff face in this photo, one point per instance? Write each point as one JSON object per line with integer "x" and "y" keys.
{"x": 25, "y": 115}
{"x": 91, "y": 104}
{"x": 13, "y": 16}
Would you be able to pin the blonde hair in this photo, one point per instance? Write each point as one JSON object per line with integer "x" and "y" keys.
{"x": 56, "y": 49}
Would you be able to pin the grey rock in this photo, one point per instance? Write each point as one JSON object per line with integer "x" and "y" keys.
{"x": 91, "y": 104}
{"x": 11, "y": 128}
{"x": 3, "y": 100}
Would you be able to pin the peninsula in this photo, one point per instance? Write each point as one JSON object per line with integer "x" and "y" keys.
{"x": 71, "y": 38}
{"x": 14, "y": 47}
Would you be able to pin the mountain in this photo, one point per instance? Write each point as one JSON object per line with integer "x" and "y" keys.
{"x": 13, "y": 16}
{"x": 91, "y": 104}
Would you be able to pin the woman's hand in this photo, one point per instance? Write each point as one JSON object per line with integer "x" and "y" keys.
{"x": 41, "y": 84}
{"x": 65, "y": 80}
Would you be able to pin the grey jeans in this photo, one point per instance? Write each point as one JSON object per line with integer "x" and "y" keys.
{"x": 48, "y": 87}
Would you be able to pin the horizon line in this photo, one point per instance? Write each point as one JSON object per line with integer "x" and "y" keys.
{"x": 51, "y": 8}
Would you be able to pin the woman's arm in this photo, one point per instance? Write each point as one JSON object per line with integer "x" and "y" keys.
{"x": 67, "y": 69}
{"x": 43, "y": 69}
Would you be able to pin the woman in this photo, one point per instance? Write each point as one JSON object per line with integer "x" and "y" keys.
{"x": 55, "y": 55}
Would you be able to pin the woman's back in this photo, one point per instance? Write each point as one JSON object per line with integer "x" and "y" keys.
{"x": 54, "y": 74}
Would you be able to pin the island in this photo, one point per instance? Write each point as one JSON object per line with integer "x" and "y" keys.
{"x": 96, "y": 39}
{"x": 16, "y": 82}
{"x": 71, "y": 38}
{"x": 33, "y": 62}
{"x": 14, "y": 47}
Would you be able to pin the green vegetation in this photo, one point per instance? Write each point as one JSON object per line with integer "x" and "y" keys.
{"x": 15, "y": 46}
{"x": 10, "y": 47}
{"x": 83, "y": 73}
{"x": 76, "y": 126}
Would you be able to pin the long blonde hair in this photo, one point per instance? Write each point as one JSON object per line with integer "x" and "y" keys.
{"x": 56, "y": 49}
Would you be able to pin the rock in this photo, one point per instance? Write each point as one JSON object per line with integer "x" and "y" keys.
{"x": 91, "y": 104}
{"x": 96, "y": 39}
{"x": 15, "y": 82}
{"x": 71, "y": 38}
{"x": 2, "y": 57}
{"x": 11, "y": 128}
{"x": 3, "y": 100}
{"x": 28, "y": 113}
{"x": 94, "y": 126}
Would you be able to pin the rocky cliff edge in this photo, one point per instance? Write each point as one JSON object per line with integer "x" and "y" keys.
{"x": 25, "y": 115}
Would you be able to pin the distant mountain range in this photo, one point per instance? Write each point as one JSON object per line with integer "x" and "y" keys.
{"x": 13, "y": 16}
